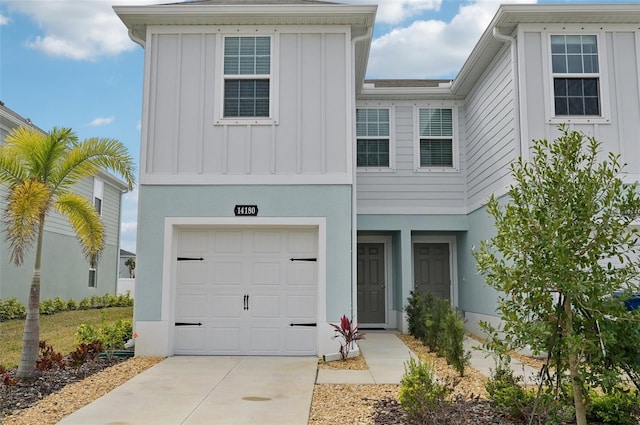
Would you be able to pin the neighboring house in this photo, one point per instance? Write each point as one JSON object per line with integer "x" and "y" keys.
{"x": 66, "y": 273}
{"x": 123, "y": 268}
{"x": 279, "y": 188}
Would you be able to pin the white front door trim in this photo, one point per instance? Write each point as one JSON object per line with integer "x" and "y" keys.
{"x": 173, "y": 224}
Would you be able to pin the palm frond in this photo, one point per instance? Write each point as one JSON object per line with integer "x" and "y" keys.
{"x": 27, "y": 203}
{"x": 88, "y": 156}
{"x": 85, "y": 220}
{"x": 11, "y": 170}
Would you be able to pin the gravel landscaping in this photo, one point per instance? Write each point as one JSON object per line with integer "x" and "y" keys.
{"x": 55, "y": 395}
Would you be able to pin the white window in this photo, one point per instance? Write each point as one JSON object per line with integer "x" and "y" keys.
{"x": 373, "y": 141}
{"x": 247, "y": 77}
{"x": 435, "y": 147}
{"x": 98, "y": 192}
{"x": 575, "y": 66}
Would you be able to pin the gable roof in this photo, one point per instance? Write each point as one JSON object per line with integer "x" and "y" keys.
{"x": 252, "y": 2}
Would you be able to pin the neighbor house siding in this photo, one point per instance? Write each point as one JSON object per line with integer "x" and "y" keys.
{"x": 186, "y": 142}
{"x": 405, "y": 190}
{"x": 490, "y": 130}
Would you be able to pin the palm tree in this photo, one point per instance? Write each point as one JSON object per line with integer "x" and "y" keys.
{"x": 39, "y": 170}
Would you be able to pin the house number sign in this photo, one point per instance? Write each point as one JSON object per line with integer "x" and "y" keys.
{"x": 246, "y": 210}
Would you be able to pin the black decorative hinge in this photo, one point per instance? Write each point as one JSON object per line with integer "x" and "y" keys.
{"x": 304, "y": 324}
{"x": 303, "y": 259}
{"x": 190, "y": 259}
{"x": 188, "y": 324}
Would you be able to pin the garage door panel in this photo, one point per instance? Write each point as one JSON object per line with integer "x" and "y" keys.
{"x": 193, "y": 241}
{"x": 265, "y": 306}
{"x": 192, "y": 273}
{"x": 228, "y": 241}
{"x": 227, "y": 273}
{"x": 225, "y": 340}
{"x": 301, "y": 273}
{"x": 191, "y": 304}
{"x": 300, "y": 340}
{"x": 301, "y": 242}
{"x": 266, "y": 273}
{"x": 265, "y": 340}
{"x": 301, "y": 306}
{"x": 267, "y": 242}
{"x": 191, "y": 340}
{"x": 226, "y": 306}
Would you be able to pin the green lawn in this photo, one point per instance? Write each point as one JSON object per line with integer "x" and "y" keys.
{"x": 58, "y": 330}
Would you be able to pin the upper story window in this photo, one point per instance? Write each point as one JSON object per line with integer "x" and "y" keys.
{"x": 372, "y": 132}
{"x": 435, "y": 148}
{"x": 98, "y": 192}
{"x": 576, "y": 75}
{"x": 247, "y": 77}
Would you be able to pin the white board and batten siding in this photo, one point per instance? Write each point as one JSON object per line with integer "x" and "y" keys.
{"x": 490, "y": 137}
{"x": 403, "y": 190}
{"x": 238, "y": 292}
{"x": 304, "y": 141}
{"x": 619, "y": 62}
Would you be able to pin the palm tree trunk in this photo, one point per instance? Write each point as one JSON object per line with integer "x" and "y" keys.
{"x": 574, "y": 375}
{"x": 31, "y": 335}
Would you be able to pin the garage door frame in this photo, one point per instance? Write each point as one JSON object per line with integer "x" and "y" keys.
{"x": 174, "y": 224}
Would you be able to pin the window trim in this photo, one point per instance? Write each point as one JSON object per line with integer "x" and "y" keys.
{"x": 220, "y": 77}
{"x": 98, "y": 194}
{"x": 93, "y": 271}
{"x": 455, "y": 140}
{"x": 603, "y": 85}
{"x": 391, "y": 138}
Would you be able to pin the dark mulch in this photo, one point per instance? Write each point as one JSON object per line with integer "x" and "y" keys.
{"x": 461, "y": 412}
{"x": 26, "y": 393}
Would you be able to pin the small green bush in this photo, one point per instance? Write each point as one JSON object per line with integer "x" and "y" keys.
{"x": 416, "y": 310}
{"x": 453, "y": 341}
{"x": 47, "y": 307}
{"x": 97, "y": 301}
{"x": 109, "y": 300}
{"x": 505, "y": 390}
{"x": 112, "y": 335}
{"x": 420, "y": 392}
{"x": 85, "y": 304}
{"x": 72, "y": 305}
{"x": 125, "y": 300}
{"x": 618, "y": 407}
{"x": 60, "y": 305}
{"x": 11, "y": 309}
{"x": 437, "y": 311}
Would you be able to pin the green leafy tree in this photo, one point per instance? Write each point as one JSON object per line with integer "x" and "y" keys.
{"x": 563, "y": 246}
{"x": 131, "y": 265}
{"x": 39, "y": 171}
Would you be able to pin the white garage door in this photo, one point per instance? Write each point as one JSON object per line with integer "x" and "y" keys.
{"x": 238, "y": 292}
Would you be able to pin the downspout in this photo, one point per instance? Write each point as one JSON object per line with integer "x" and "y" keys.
{"x": 354, "y": 200}
{"x": 520, "y": 151}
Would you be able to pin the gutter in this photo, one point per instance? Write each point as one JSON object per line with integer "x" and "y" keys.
{"x": 516, "y": 87}
{"x": 354, "y": 199}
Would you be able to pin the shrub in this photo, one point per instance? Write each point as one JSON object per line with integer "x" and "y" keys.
{"x": 109, "y": 300}
{"x": 112, "y": 335}
{"x": 72, "y": 305}
{"x": 60, "y": 305}
{"x": 505, "y": 391}
{"x": 437, "y": 311}
{"x": 618, "y": 407}
{"x": 11, "y": 308}
{"x": 85, "y": 352}
{"x": 49, "y": 359}
{"x": 97, "y": 301}
{"x": 47, "y": 307}
{"x": 453, "y": 341}
{"x": 349, "y": 334}
{"x": 125, "y": 300}
{"x": 85, "y": 304}
{"x": 416, "y": 311}
{"x": 420, "y": 392}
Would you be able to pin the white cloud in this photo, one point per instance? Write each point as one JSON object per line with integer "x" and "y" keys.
{"x": 128, "y": 232}
{"x": 80, "y": 30}
{"x": 101, "y": 121}
{"x": 433, "y": 48}
{"x": 394, "y": 11}
{"x": 4, "y": 20}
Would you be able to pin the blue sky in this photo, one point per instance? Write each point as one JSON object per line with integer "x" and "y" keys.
{"x": 70, "y": 63}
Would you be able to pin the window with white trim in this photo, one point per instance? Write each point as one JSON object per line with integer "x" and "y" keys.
{"x": 576, "y": 75}
{"x": 435, "y": 138}
{"x": 372, "y": 134}
{"x": 247, "y": 77}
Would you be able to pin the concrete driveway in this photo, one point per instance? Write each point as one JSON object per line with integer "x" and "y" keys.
{"x": 209, "y": 390}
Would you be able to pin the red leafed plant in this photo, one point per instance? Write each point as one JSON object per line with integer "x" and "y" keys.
{"x": 349, "y": 334}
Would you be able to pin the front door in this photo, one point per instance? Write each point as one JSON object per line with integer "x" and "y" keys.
{"x": 431, "y": 269}
{"x": 371, "y": 283}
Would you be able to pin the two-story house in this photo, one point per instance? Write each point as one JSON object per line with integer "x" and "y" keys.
{"x": 66, "y": 273}
{"x": 279, "y": 190}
